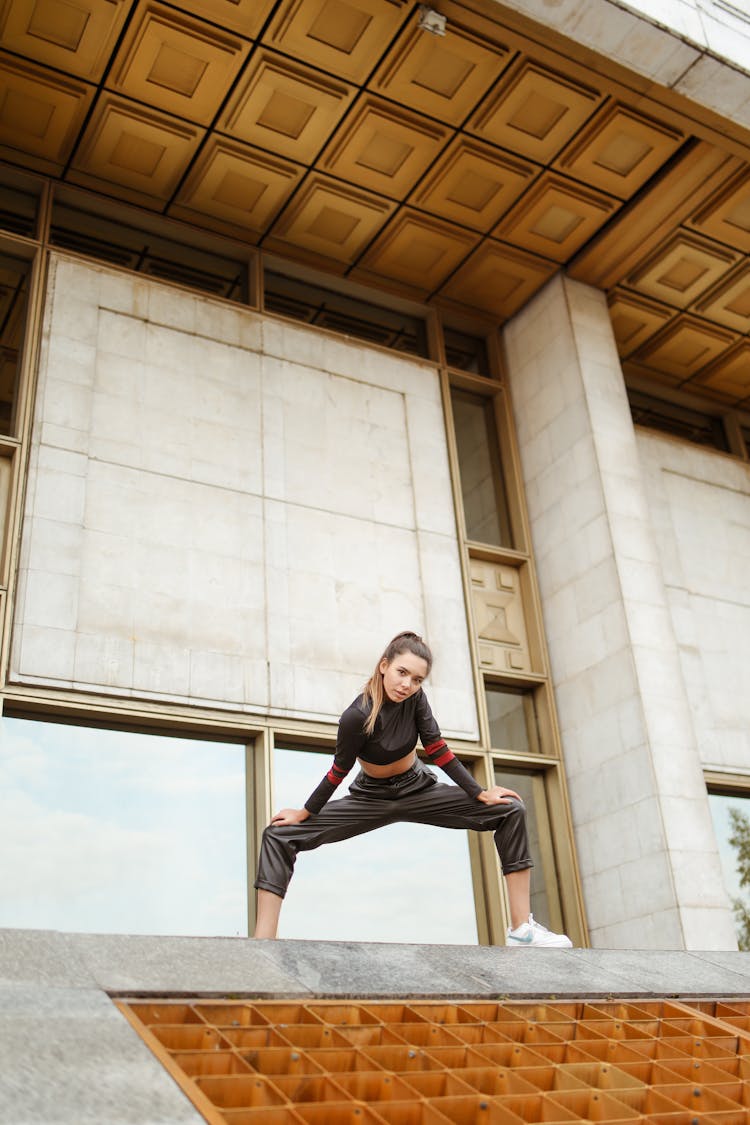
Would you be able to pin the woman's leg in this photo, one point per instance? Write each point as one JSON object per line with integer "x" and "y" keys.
{"x": 267, "y": 911}
{"x": 519, "y": 896}
{"x": 338, "y": 820}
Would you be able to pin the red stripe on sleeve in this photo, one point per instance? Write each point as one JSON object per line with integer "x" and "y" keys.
{"x": 444, "y": 758}
{"x": 434, "y": 747}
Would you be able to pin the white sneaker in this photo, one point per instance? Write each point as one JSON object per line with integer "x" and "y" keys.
{"x": 534, "y": 933}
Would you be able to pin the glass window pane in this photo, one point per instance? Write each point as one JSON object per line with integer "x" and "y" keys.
{"x": 731, "y": 817}
{"x": 691, "y": 425}
{"x": 389, "y": 885}
{"x": 325, "y": 308}
{"x": 466, "y": 353}
{"x": 512, "y": 717}
{"x": 482, "y": 484}
{"x": 530, "y": 787}
{"x": 14, "y": 299}
{"x": 73, "y": 228}
{"x": 19, "y": 202}
{"x": 109, "y": 831}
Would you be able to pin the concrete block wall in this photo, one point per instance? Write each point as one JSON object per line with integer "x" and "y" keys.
{"x": 646, "y": 847}
{"x": 700, "y": 504}
{"x": 698, "y": 48}
{"x": 229, "y": 510}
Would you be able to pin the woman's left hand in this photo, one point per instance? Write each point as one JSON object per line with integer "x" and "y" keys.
{"x": 498, "y": 795}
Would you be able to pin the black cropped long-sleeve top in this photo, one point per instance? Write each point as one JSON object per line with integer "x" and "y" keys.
{"x": 397, "y": 728}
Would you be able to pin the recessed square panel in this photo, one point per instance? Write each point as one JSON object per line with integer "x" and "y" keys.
{"x": 618, "y": 150}
{"x": 340, "y": 37}
{"x": 534, "y": 111}
{"x": 497, "y": 279}
{"x": 635, "y": 319}
{"x": 726, "y": 216}
{"x": 284, "y": 107}
{"x": 473, "y": 184}
{"x": 330, "y": 220}
{"x": 442, "y": 76}
{"x": 244, "y": 17}
{"x": 417, "y": 251}
{"x": 40, "y": 113}
{"x": 685, "y": 347}
{"x": 238, "y": 186}
{"x": 555, "y": 217}
{"x": 729, "y": 303}
{"x": 72, "y": 35}
{"x": 730, "y": 375}
{"x": 682, "y": 270}
{"x": 136, "y": 150}
{"x": 383, "y": 148}
{"x": 176, "y": 64}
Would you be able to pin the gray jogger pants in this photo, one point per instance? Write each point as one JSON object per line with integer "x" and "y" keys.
{"x": 415, "y": 797}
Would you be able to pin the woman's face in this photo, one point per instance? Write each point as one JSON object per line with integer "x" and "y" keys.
{"x": 403, "y": 676}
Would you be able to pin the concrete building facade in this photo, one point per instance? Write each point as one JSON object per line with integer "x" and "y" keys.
{"x": 470, "y": 357}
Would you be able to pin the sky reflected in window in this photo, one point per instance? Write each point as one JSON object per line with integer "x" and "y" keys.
{"x": 404, "y": 882}
{"x": 113, "y": 832}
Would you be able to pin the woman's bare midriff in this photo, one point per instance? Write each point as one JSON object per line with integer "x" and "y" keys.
{"x": 393, "y": 768}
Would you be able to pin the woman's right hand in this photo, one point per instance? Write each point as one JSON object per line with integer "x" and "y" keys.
{"x": 290, "y": 816}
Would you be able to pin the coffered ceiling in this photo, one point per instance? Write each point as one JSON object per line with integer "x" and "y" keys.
{"x": 463, "y": 169}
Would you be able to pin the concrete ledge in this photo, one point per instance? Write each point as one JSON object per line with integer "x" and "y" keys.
{"x": 71, "y": 1058}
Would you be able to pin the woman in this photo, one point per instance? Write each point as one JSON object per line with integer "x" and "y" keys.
{"x": 380, "y": 728}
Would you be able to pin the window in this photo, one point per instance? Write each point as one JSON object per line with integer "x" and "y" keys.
{"x": 680, "y": 421}
{"x": 731, "y": 817}
{"x": 109, "y": 831}
{"x": 480, "y": 468}
{"x": 325, "y": 308}
{"x": 545, "y": 902}
{"x": 466, "y": 353}
{"x": 75, "y": 227}
{"x": 404, "y": 882}
{"x": 14, "y": 299}
{"x": 513, "y": 719}
{"x": 19, "y": 202}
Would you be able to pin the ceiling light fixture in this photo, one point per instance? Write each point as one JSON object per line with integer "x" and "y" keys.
{"x": 430, "y": 20}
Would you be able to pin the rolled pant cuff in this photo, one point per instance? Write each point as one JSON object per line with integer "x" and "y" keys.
{"x": 519, "y": 865}
{"x": 262, "y": 885}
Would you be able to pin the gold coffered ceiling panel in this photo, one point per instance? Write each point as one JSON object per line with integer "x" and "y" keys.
{"x": 176, "y": 65}
{"x": 619, "y": 150}
{"x": 383, "y": 148}
{"x": 330, "y": 221}
{"x": 682, "y": 270}
{"x": 684, "y": 347}
{"x": 534, "y": 111}
{"x": 462, "y": 169}
{"x": 341, "y": 37}
{"x": 416, "y": 251}
{"x": 729, "y": 376}
{"x": 74, "y": 37}
{"x": 727, "y": 215}
{"x": 729, "y": 304}
{"x": 242, "y": 187}
{"x": 442, "y": 76}
{"x": 474, "y": 184}
{"x": 246, "y": 17}
{"x": 555, "y": 217}
{"x": 140, "y": 155}
{"x": 286, "y": 108}
{"x": 635, "y": 319}
{"x": 496, "y": 279}
{"x": 40, "y": 113}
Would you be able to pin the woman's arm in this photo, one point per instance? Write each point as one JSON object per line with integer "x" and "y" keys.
{"x": 349, "y": 741}
{"x": 438, "y": 752}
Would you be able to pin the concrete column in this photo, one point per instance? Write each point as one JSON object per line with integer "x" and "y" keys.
{"x": 646, "y": 847}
